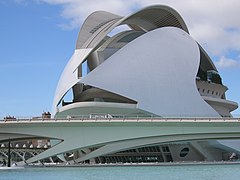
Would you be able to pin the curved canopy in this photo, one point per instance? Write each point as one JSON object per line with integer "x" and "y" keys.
{"x": 154, "y": 17}
{"x": 93, "y": 22}
{"x": 100, "y": 23}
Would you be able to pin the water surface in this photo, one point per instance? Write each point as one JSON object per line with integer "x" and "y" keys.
{"x": 186, "y": 172}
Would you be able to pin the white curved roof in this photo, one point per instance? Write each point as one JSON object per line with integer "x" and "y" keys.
{"x": 157, "y": 16}
{"x": 146, "y": 19}
{"x": 94, "y": 21}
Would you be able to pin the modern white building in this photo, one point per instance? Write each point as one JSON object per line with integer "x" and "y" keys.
{"x": 143, "y": 65}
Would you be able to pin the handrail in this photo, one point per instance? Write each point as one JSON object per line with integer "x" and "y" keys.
{"x": 121, "y": 119}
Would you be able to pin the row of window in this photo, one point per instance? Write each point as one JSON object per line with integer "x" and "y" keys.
{"x": 209, "y": 92}
{"x": 132, "y": 159}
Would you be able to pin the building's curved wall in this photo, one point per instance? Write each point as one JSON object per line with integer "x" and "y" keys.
{"x": 157, "y": 70}
{"x": 69, "y": 76}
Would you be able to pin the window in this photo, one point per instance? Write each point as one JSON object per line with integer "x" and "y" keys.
{"x": 184, "y": 152}
{"x": 165, "y": 149}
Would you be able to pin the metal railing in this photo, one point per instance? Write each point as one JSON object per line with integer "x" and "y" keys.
{"x": 118, "y": 118}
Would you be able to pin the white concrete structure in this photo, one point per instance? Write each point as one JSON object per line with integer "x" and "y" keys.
{"x": 149, "y": 93}
{"x": 96, "y": 139}
{"x": 154, "y": 68}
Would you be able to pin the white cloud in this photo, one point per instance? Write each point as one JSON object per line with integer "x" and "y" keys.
{"x": 214, "y": 24}
{"x": 227, "y": 63}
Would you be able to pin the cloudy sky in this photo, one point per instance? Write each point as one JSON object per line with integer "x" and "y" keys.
{"x": 38, "y": 37}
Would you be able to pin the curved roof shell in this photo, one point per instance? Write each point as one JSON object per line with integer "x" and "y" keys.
{"x": 100, "y": 23}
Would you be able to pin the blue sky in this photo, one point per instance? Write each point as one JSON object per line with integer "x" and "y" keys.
{"x": 38, "y": 37}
